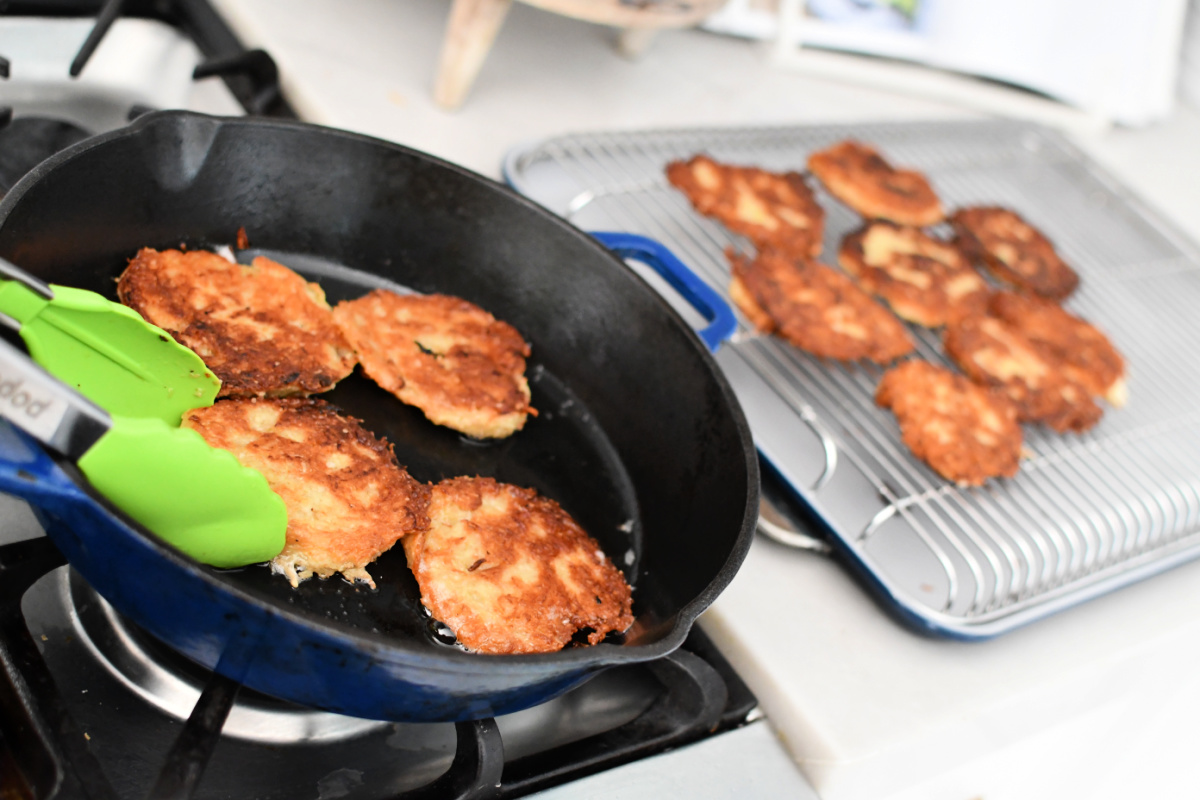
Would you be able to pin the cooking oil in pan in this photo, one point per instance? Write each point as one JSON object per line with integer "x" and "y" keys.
{"x": 563, "y": 453}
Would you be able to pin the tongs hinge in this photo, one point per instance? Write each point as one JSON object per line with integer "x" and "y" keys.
{"x": 15, "y": 273}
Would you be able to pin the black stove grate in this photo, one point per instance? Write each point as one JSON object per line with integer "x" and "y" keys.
{"x": 251, "y": 75}
{"x": 50, "y": 756}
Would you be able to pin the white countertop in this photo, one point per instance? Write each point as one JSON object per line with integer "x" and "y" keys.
{"x": 1097, "y": 702}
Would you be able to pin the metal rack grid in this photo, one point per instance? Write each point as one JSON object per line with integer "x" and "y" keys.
{"x": 1087, "y": 513}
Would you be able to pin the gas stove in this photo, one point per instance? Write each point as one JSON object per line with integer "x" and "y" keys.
{"x": 74, "y": 69}
{"x": 92, "y": 706}
{"x": 95, "y": 707}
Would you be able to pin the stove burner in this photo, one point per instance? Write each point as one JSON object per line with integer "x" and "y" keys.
{"x": 67, "y": 663}
{"x": 25, "y": 142}
{"x": 173, "y": 683}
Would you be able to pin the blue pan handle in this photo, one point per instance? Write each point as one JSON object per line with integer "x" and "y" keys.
{"x": 721, "y": 321}
{"x": 28, "y": 472}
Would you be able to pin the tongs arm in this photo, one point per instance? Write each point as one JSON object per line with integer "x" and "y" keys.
{"x": 46, "y": 408}
{"x": 13, "y": 272}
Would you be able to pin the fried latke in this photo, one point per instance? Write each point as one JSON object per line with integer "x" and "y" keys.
{"x": 262, "y": 329}
{"x": 461, "y": 366}
{"x": 817, "y": 309}
{"x": 509, "y": 571}
{"x": 1013, "y": 250}
{"x": 772, "y": 209}
{"x": 924, "y": 280}
{"x": 993, "y": 353}
{"x": 347, "y": 498}
{"x": 966, "y": 433}
{"x": 1082, "y": 351}
{"x": 857, "y": 175}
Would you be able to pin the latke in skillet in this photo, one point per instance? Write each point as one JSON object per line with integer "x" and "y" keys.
{"x": 993, "y": 353}
{"x": 816, "y": 308}
{"x": 1013, "y": 250}
{"x": 966, "y": 433}
{"x": 262, "y": 329}
{"x": 509, "y": 571}
{"x": 461, "y": 366}
{"x": 923, "y": 279}
{"x": 347, "y": 498}
{"x": 1081, "y": 350}
{"x": 772, "y": 209}
{"x": 858, "y": 175}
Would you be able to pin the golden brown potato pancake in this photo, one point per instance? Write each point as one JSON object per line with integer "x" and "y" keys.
{"x": 1082, "y": 351}
{"x": 347, "y": 498}
{"x": 817, "y": 309}
{"x": 1013, "y": 250}
{"x": 966, "y": 433}
{"x": 740, "y": 294}
{"x": 858, "y": 175}
{"x": 773, "y": 209}
{"x": 509, "y": 571}
{"x": 262, "y": 329}
{"x": 923, "y": 279}
{"x": 993, "y": 353}
{"x": 461, "y": 366}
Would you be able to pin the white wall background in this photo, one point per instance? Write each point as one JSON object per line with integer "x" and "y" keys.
{"x": 1189, "y": 64}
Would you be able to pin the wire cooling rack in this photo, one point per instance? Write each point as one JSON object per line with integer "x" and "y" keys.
{"x": 1087, "y": 513}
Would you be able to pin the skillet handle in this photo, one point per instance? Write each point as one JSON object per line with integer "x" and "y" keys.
{"x": 28, "y": 472}
{"x": 721, "y": 321}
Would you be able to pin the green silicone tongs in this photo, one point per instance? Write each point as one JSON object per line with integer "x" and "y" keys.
{"x": 104, "y": 350}
{"x": 193, "y": 496}
{"x": 109, "y": 395}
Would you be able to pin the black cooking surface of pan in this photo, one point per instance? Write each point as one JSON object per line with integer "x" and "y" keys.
{"x": 562, "y": 452}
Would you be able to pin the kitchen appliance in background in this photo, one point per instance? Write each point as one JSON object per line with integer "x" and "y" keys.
{"x": 1083, "y": 64}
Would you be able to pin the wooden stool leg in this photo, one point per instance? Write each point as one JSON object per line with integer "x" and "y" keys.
{"x": 472, "y": 28}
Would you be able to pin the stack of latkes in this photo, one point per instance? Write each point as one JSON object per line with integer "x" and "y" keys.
{"x": 1023, "y": 357}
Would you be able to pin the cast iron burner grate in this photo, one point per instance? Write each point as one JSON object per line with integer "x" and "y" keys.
{"x": 27, "y": 139}
{"x": 57, "y": 746}
{"x": 250, "y": 74}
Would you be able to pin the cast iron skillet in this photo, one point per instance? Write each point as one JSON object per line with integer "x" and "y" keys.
{"x": 639, "y": 436}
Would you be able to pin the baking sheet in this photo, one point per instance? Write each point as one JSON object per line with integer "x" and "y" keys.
{"x": 1087, "y": 513}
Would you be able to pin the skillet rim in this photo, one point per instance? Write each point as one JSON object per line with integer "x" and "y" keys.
{"x": 451, "y": 659}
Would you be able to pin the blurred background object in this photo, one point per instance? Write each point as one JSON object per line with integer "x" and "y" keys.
{"x": 1189, "y": 62}
{"x": 1108, "y": 61}
{"x": 473, "y": 26}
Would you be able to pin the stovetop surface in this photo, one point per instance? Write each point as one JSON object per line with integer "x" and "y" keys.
{"x": 94, "y": 706}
